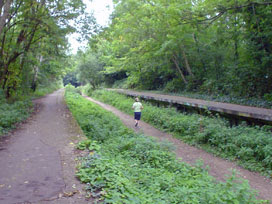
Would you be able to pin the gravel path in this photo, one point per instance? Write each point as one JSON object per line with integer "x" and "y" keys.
{"x": 37, "y": 162}
{"x": 219, "y": 168}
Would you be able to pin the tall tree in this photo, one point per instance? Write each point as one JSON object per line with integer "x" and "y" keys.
{"x": 221, "y": 47}
{"x": 34, "y": 30}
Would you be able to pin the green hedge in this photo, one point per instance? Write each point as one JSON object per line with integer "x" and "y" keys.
{"x": 125, "y": 167}
{"x": 251, "y": 146}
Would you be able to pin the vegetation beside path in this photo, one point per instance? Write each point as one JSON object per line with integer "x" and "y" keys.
{"x": 125, "y": 167}
{"x": 251, "y": 147}
{"x": 18, "y": 109}
{"x": 10, "y": 114}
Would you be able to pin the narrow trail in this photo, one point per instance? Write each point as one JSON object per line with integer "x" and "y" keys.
{"x": 37, "y": 161}
{"x": 218, "y": 167}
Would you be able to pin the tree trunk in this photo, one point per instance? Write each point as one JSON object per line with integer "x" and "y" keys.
{"x": 4, "y": 13}
{"x": 35, "y": 77}
{"x": 17, "y": 54}
{"x": 93, "y": 85}
{"x": 187, "y": 65}
{"x": 178, "y": 68}
{"x": 198, "y": 51}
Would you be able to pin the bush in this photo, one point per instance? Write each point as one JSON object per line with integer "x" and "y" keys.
{"x": 11, "y": 114}
{"x": 176, "y": 85}
{"x": 268, "y": 97}
{"x": 121, "y": 84}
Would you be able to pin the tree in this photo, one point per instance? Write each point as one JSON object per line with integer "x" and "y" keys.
{"x": 33, "y": 40}
{"x": 221, "y": 47}
{"x": 90, "y": 70}
{"x": 4, "y": 12}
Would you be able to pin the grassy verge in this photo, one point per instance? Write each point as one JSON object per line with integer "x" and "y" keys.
{"x": 19, "y": 108}
{"x": 11, "y": 114}
{"x": 124, "y": 167}
{"x": 251, "y": 147}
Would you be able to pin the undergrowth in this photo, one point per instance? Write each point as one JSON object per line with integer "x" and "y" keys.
{"x": 125, "y": 167}
{"x": 12, "y": 113}
{"x": 19, "y": 107}
{"x": 251, "y": 147}
{"x": 47, "y": 89}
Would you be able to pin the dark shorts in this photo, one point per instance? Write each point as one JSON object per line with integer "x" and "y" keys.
{"x": 137, "y": 115}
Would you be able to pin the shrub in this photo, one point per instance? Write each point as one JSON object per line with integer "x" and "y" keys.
{"x": 11, "y": 114}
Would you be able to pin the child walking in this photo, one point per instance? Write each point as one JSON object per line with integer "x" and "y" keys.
{"x": 138, "y": 107}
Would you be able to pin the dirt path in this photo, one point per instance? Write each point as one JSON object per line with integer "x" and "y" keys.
{"x": 37, "y": 162}
{"x": 219, "y": 168}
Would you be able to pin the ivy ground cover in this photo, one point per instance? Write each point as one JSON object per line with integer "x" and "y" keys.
{"x": 251, "y": 147}
{"x": 125, "y": 167}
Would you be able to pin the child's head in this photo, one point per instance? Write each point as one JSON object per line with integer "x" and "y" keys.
{"x": 137, "y": 99}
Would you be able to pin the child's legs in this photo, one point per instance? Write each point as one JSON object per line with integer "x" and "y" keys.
{"x": 137, "y": 117}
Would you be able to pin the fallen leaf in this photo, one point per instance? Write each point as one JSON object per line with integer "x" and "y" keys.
{"x": 88, "y": 195}
{"x": 2, "y": 185}
{"x": 69, "y": 194}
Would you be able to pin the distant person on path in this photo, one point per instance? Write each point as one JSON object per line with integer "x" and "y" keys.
{"x": 138, "y": 107}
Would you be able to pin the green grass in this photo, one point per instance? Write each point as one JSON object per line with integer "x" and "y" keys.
{"x": 250, "y": 147}
{"x": 125, "y": 167}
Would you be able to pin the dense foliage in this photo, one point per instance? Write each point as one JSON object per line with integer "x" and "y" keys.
{"x": 33, "y": 41}
{"x": 124, "y": 167}
{"x": 90, "y": 69}
{"x": 250, "y": 146}
{"x": 210, "y": 46}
